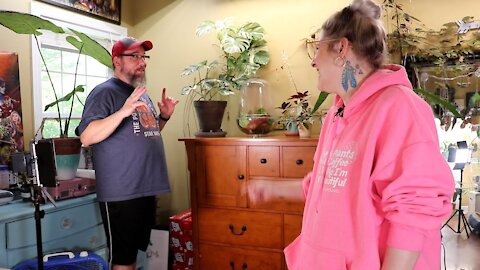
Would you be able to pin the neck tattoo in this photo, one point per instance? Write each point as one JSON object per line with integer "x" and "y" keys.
{"x": 348, "y": 76}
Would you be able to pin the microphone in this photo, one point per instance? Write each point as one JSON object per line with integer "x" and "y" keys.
{"x": 340, "y": 111}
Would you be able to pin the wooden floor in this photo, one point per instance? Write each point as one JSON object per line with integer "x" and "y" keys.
{"x": 461, "y": 253}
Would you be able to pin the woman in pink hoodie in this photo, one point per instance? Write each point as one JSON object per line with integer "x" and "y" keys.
{"x": 380, "y": 189}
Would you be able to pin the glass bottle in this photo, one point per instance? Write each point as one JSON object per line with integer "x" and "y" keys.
{"x": 255, "y": 108}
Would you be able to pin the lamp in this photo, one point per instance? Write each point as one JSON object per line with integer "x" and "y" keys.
{"x": 460, "y": 156}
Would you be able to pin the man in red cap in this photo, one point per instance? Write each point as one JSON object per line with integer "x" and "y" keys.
{"x": 122, "y": 126}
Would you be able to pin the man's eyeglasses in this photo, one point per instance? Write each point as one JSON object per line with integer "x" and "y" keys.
{"x": 136, "y": 56}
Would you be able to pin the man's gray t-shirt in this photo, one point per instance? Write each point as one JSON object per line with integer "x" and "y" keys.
{"x": 130, "y": 163}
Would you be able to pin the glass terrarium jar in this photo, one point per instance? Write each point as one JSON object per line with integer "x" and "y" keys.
{"x": 255, "y": 108}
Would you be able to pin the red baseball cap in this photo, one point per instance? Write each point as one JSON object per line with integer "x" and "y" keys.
{"x": 130, "y": 43}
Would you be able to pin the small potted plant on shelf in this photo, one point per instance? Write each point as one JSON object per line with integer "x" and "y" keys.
{"x": 243, "y": 53}
{"x": 297, "y": 116}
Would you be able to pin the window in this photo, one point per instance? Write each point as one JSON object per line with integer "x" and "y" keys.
{"x": 62, "y": 66}
{"x": 61, "y": 61}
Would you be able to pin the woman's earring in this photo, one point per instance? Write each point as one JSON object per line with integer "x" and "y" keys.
{"x": 339, "y": 61}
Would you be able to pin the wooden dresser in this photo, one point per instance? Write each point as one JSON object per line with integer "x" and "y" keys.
{"x": 229, "y": 232}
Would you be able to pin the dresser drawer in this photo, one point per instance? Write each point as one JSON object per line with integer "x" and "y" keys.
{"x": 55, "y": 225}
{"x": 264, "y": 160}
{"x": 240, "y": 227}
{"x": 293, "y": 228}
{"x": 297, "y": 161}
{"x": 220, "y": 257}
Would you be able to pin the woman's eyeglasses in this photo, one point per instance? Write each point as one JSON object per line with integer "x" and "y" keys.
{"x": 136, "y": 56}
{"x": 312, "y": 45}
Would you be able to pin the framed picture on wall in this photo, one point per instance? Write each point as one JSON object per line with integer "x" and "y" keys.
{"x": 107, "y": 10}
{"x": 11, "y": 127}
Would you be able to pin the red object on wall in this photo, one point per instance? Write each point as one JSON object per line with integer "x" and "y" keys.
{"x": 181, "y": 240}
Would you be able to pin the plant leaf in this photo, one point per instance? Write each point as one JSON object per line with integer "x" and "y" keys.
{"x": 434, "y": 99}
{"x": 205, "y": 27}
{"x": 90, "y": 47}
{"x": 262, "y": 57}
{"x": 186, "y": 90}
{"x": 67, "y": 97}
{"x": 234, "y": 45}
{"x": 23, "y": 23}
{"x": 321, "y": 98}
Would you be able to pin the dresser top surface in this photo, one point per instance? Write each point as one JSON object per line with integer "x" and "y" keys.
{"x": 250, "y": 140}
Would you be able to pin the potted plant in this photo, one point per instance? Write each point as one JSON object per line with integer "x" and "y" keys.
{"x": 203, "y": 94}
{"x": 297, "y": 116}
{"x": 243, "y": 53}
{"x": 67, "y": 150}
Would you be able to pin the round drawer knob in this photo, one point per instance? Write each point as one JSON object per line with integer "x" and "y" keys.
{"x": 67, "y": 223}
{"x": 263, "y": 160}
{"x": 299, "y": 162}
{"x": 241, "y": 177}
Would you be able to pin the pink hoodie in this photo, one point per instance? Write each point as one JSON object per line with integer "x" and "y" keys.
{"x": 379, "y": 180}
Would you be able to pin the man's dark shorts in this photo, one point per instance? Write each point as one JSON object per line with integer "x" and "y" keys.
{"x": 127, "y": 226}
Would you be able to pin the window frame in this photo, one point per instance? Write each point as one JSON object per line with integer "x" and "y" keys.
{"x": 94, "y": 28}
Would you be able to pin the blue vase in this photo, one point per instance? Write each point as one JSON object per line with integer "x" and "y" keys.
{"x": 291, "y": 129}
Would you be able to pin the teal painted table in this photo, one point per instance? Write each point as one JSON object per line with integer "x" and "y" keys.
{"x": 74, "y": 225}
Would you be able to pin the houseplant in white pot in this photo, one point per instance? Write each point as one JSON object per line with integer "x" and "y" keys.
{"x": 67, "y": 150}
{"x": 243, "y": 52}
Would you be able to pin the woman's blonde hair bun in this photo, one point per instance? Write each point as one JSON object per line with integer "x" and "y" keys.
{"x": 367, "y": 8}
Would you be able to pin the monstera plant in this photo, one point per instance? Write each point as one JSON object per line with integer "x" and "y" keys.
{"x": 243, "y": 52}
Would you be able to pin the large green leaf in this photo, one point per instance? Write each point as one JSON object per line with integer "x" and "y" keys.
{"x": 67, "y": 97}
{"x": 90, "y": 47}
{"x": 321, "y": 98}
{"x": 434, "y": 99}
{"x": 23, "y": 23}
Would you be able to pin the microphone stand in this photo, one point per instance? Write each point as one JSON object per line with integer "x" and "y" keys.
{"x": 37, "y": 199}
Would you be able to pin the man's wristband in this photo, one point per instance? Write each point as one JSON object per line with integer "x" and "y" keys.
{"x": 163, "y": 118}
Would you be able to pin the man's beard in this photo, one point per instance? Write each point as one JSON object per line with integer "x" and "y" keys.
{"x": 135, "y": 80}
{"x": 139, "y": 80}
